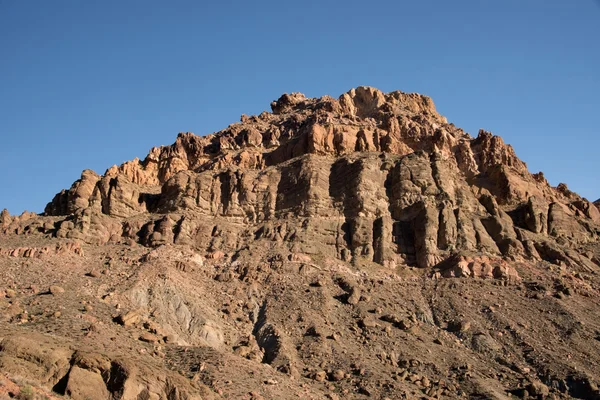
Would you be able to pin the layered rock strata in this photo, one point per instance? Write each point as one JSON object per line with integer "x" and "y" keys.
{"x": 367, "y": 177}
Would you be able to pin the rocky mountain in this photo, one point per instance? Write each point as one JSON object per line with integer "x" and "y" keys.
{"x": 360, "y": 247}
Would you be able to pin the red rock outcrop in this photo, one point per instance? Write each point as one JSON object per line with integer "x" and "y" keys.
{"x": 85, "y": 374}
{"x": 276, "y": 259}
{"x": 39, "y": 252}
{"x": 368, "y": 177}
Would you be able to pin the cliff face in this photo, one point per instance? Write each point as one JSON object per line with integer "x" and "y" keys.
{"x": 368, "y": 177}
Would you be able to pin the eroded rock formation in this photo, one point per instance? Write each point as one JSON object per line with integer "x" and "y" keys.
{"x": 275, "y": 259}
{"x": 368, "y": 177}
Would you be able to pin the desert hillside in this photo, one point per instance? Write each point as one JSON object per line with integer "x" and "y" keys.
{"x": 351, "y": 248}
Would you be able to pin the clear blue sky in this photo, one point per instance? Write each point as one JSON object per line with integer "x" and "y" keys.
{"x": 89, "y": 84}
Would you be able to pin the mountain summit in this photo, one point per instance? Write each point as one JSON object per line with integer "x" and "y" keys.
{"x": 369, "y": 177}
{"x": 352, "y": 248}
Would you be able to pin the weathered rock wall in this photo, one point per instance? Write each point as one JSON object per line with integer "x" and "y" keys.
{"x": 369, "y": 176}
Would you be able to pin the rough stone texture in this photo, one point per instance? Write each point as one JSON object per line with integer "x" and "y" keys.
{"x": 368, "y": 177}
{"x": 83, "y": 375}
{"x": 359, "y": 247}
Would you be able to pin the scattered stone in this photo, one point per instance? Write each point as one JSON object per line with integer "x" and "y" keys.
{"x": 364, "y": 390}
{"x": 314, "y": 331}
{"x": 404, "y": 324}
{"x": 355, "y": 295}
{"x": 459, "y": 325}
{"x": 537, "y": 388}
{"x": 217, "y": 255}
{"x": 94, "y": 273}
{"x": 256, "y": 396}
{"x": 337, "y": 375}
{"x": 320, "y": 376}
{"x": 367, "y": 322}
{"x": 171, "y": 339}
{"x": 55, "y": 290}
{"x": 393, "y": 319}
{"x": 128, "y": 319}
{"x": 149, "y": 338}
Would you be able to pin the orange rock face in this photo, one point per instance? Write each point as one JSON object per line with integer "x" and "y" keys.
{"x": 367, "y": 177}
{"x": 360, "y": 247}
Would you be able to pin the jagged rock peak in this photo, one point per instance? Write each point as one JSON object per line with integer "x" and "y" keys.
{"x": 368, "y": 177}
{"x": 362, "y": 102}
{"x": 362, "y": 120}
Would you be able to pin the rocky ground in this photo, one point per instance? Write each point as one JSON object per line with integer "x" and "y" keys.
{"x": 359, "y": 247}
